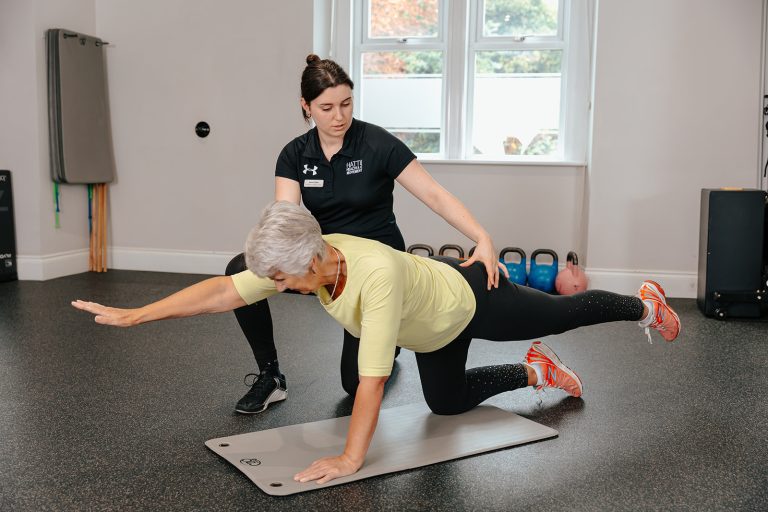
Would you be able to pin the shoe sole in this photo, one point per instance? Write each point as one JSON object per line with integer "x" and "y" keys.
{"x": 663, "y": 299}
{"x": 550, "y": 354}
{"x": 278, "y": 395}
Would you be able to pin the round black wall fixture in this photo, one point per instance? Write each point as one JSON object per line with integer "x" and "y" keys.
{"x": 202, "y": 129}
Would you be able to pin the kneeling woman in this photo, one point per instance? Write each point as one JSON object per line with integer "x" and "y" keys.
{"x": 389, "y": 298}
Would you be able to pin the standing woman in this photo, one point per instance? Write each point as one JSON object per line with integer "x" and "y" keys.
{"x": 344, "y": 170}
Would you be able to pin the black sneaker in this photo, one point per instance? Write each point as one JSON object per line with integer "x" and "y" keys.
{"x": 268, "y": 387}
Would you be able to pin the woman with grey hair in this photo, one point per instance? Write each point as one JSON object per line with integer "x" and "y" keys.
{"x": 389, "y": 298}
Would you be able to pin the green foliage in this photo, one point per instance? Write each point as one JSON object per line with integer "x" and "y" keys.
{"x": 519, "y": 18}
{"x": 544, "y": 143}
{"x": 403, "y": 63}
{"x": 535, "y": 61}
{"x": 420, "y": 142}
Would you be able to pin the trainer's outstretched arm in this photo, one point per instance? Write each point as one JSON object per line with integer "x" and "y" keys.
{"x": 214, "y": 295}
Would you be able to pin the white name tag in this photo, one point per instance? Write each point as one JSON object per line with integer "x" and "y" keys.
{"x": 313, "y": 183}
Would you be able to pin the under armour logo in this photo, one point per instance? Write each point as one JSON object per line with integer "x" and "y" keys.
{"x": 313, "y": 170}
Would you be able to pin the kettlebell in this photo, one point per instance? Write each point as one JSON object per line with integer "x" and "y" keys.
{"x": 421, "y": 247}
{"x": 542, "y": 276}
{"x": 471, "y": 251}
{"x": 571, "y": 279}
{"x": 451, "y": 247}
{"x": 516, "y": 270}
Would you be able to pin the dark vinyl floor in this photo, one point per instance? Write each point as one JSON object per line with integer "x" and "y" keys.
{"x": 99, "y": 418}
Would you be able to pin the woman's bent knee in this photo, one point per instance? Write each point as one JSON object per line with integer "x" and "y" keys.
{"x": 444, "y": 408}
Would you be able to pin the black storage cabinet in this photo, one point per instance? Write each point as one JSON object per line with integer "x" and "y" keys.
{"x": 7, "y": 232}
{"x": 732, "y": 246}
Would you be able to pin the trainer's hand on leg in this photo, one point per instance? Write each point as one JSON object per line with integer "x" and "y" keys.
{"x": 106, "y": 315}
{"x": 326, "y": 469}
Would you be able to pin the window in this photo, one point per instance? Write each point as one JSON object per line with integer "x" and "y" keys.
{"x": 474, "y": 79}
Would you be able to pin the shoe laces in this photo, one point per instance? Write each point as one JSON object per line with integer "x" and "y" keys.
{"x": 648, "y": 333}
{"x": 259, "y": 381}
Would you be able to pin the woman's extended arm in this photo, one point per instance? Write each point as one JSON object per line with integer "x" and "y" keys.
{"x": 365, "y": 415}
{"x": 214, "y": 295}
{"x": 418, "y": 182}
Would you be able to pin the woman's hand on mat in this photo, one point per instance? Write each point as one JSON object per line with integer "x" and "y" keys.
{"x": 106, "y": 315}
{"x": 326, "y": 469}
{"x": 487, "y": 255}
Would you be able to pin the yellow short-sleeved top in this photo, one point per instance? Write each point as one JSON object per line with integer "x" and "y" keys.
{"x": 391, "y": 298}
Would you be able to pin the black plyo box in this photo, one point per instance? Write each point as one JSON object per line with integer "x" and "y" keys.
{"x": 7, "y": 231}
{"x": 731, "y": 249}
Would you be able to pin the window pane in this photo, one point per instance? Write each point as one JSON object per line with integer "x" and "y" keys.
{"x": 402, "y": 91}
{"x": 516, "y": 104}
{"x": 403, "y": 18}
{"x": 520, "y": 18}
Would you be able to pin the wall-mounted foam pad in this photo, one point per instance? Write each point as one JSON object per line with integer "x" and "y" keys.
{"x": 406, "y": 437}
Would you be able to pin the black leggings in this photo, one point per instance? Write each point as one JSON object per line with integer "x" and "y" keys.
{"x": 510, "y": 312}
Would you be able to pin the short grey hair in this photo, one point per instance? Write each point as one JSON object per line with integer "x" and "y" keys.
{"x": 285, "y": 239}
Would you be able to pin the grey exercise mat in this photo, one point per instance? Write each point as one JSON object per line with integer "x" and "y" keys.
{"x": 406, "y": 437}
{"x": 78, "y": 111}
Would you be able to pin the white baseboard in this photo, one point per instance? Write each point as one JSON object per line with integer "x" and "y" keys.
{"x": 676, "y": 284}
{"x": 154, "y": 260}
{"x": 51, "y": 266}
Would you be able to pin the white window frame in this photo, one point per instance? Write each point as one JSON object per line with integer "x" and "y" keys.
{"x": 459, "y": 41}
{"x": 362, "y": 44}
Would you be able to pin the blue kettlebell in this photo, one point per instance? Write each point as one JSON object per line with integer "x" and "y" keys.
{"x": 516, "y": 270}
{"x": 452, "y": 247}
{"x": 542, "y": 276}
{"x": 421, "y": 247}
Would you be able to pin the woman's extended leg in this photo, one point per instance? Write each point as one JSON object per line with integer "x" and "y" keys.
{"x": 513, "y": 312}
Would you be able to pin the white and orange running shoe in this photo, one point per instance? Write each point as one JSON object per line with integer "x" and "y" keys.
{"x": 661, "y": 317}
{"x": 554, "y": 373}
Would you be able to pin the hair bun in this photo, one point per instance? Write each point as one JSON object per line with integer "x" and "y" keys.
{"x": 312, "y": 58}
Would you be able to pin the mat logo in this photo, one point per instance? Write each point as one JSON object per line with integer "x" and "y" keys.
{"x": 250, "y": 462}
{"x": 2, "y": 178}
{"x": 313, "y": 170}
{"x": 354, "y": 167}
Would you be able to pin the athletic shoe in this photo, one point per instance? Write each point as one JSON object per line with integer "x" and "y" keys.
{"x": 661, "y": 317}
{"x": 267, "y": 388}
{"x": 553, "y": 371}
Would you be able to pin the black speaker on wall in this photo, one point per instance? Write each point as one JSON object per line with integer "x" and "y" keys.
{"x": 732, "y": 253}
{"x": 7, "y": 231}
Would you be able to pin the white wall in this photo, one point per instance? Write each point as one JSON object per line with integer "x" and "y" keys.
{"x": 676, "y": 108}
{"x": 180, "y": 202}
{"x": 43, "y": 250}
{"x": 531, "y": 207}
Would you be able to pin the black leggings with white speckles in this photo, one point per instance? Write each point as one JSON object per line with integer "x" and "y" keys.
{"x": 508, "y": 313}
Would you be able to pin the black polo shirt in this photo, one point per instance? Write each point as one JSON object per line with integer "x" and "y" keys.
{"x": 351, "y": 194}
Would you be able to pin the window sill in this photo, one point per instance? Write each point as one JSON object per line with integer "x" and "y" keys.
{"x": 511, "y": 163}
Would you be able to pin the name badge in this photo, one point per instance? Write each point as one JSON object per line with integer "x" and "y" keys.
{"x": 313, "y": 183}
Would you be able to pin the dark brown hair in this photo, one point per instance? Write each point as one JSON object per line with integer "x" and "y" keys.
{"x": 319, "y": 75}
